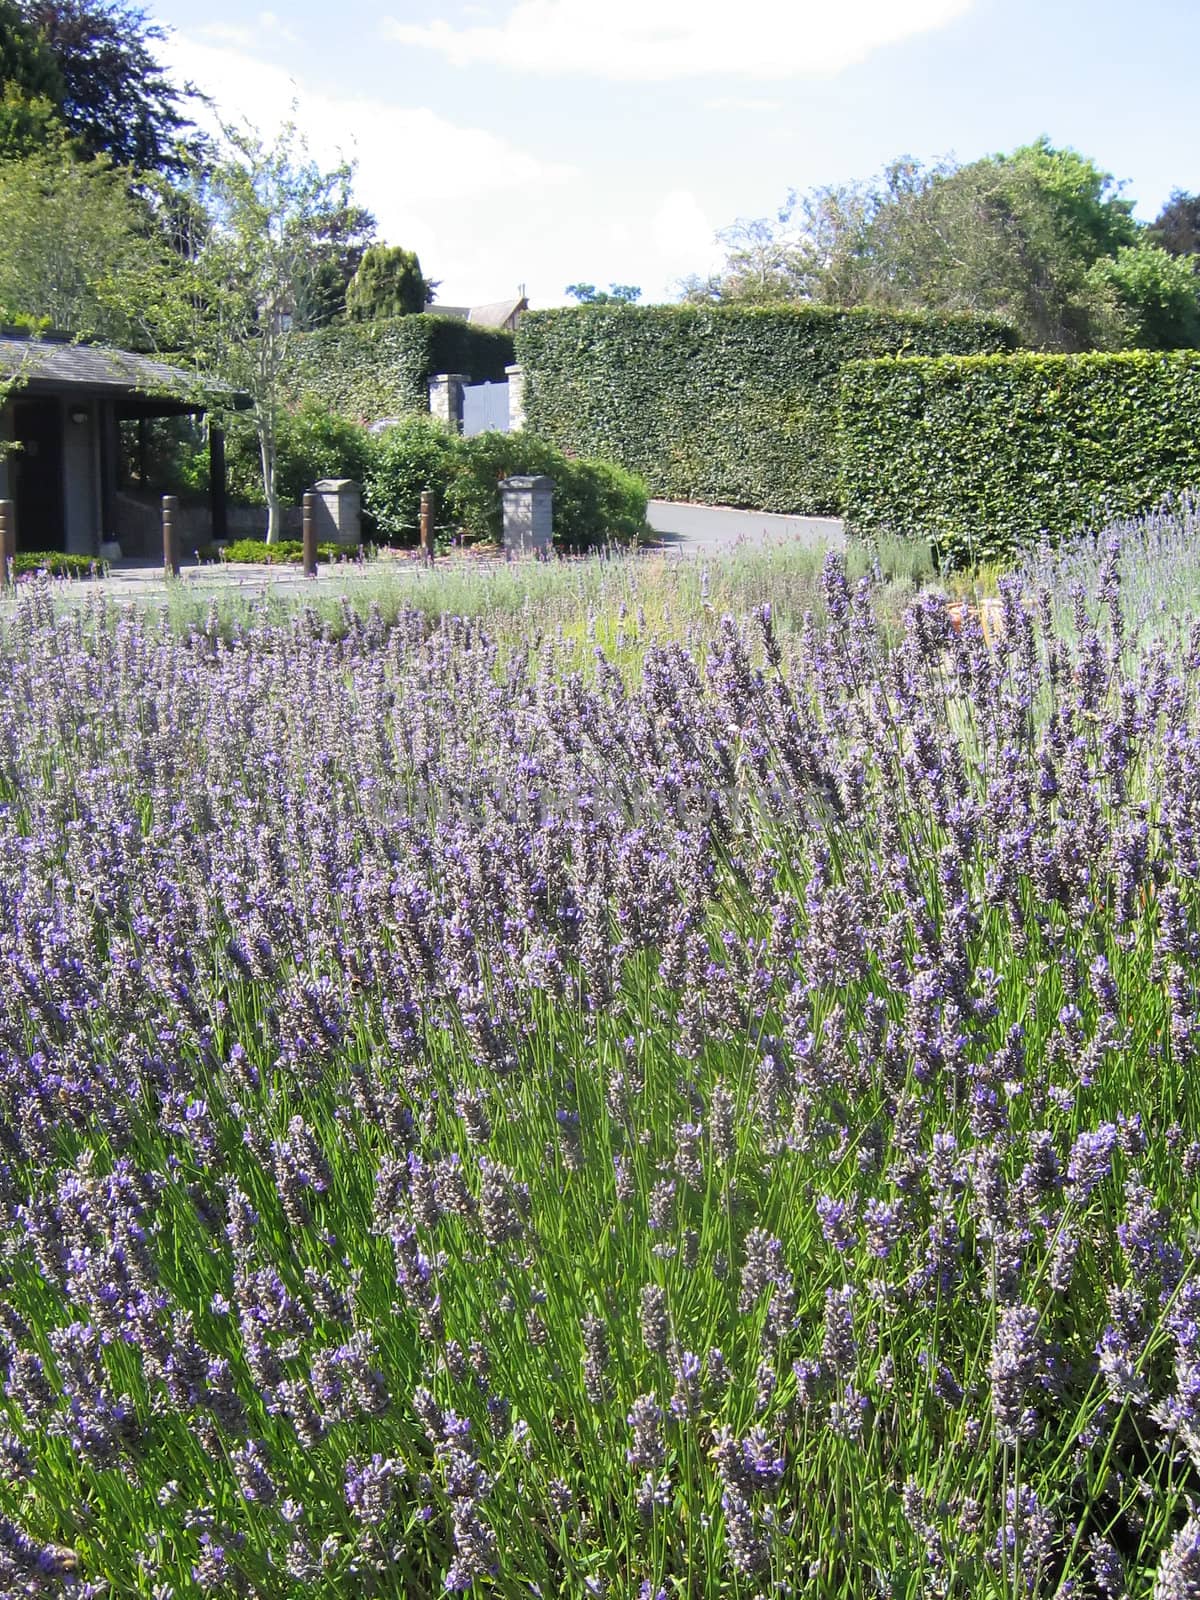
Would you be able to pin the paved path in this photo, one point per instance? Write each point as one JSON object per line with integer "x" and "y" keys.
{"x": 711, "y": 530}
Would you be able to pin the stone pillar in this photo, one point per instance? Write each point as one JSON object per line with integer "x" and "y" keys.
{"x": 528, "y": 515}
{"x": 516, "y": 398}
{"x": 446, "y": 399}
{"x": 338, "y": 503}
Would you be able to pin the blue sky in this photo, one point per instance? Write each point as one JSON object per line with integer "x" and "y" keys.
{"x": 547, "y": 141}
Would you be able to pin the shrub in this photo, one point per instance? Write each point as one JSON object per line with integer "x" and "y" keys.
{"x": 55, "y": 562}
{"x": 416, "y": 453}
{"x": 984, "y": 455}
{"x": 594, "y": 501}
{"x": 313, "y": 442}
{"x": 370, "y": 370}
{"x": 284, "y": 552}
{"x": 729, "y": 404}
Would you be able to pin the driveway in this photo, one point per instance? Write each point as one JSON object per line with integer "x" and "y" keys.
{"x": 715, "y": 530}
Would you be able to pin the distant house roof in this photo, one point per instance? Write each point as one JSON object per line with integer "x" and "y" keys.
{"x": 498, "y": 314}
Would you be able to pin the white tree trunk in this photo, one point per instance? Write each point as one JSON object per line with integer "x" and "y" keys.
{"x": 266, "y": 449}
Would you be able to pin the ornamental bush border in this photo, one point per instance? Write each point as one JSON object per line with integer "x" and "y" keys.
{"x": 985, "y": 455}
{"x": 731, "y": 405}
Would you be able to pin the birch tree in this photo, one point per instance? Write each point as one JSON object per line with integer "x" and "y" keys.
{"x": 270, "y": 214}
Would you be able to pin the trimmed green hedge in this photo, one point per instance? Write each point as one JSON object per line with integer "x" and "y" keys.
{"x": 57, "y": 563}
{"x": 730, "y": 405}
{"x": 984, "y": 455}
{"x": 369, "y": 370}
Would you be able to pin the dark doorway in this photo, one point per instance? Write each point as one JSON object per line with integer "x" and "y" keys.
{"x": 35, "y": 470}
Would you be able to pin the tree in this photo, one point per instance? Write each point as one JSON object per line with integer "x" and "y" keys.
{"x": 389, "y": 283}
{"x": 1157, "y": 296}
{"x": 586, "y": 294}
{"x": 271, "y": 214}
{"x": 1017, "y": 236}
{"x": 1176, "y": 229}
{"x": 79, "y": 253}
{"x": 114, "y": 97}
{"x": 32, "y": 86}
{"x": 338, "y": 253}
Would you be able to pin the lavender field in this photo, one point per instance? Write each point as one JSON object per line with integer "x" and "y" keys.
{"x": 723, "y": 1126}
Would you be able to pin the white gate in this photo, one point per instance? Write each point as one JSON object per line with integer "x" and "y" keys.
{"x": 485, "y": 408}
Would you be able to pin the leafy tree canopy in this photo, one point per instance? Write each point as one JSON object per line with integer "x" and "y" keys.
{"x": 1021, "y": 236}
{"x": 587, "y": 294}
{"x": 389, "y": 283}
{"x": 1177, "y": 226}
{"x": 79, "y": 252}
{"x": 274, "y": 221}
{"x": 112, "y": 94}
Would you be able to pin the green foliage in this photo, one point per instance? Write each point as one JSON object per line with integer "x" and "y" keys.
{"x": 56, "y": 563}
{"x": 75, "y": 251}
{"x": 27, "y": 124}
{"x": 1157, "y": 294}
{"x": 594, "y": 501}
{"x": 587, "y": 294}
{"x": 311, "y": 443}
{"x": 114, "y": 96}
{"x": 985, "y": 455}
{"x": 274, "y": 222}
{"x": 389, "y": 283}
{"x": 32, "y": 86}
{"x": 283, "y": 552}
{"x": 1177, "y": 226}
{"x": 1014, "y": 236}
{"x": 731, "y": 405}
{"x": 382, "y": 369}
{"x": 415, "y": 454}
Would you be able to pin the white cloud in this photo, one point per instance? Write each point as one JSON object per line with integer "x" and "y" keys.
{"x": 749, "y": 104}
{"x": 407, "y": 155}
{"x": 435, "y": 186}
{"x": 683, "y": 238}
{"x": 655, "y": 40}
{"x": 242, "y": 35}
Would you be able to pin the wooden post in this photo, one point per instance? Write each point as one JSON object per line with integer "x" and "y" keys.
{"x": 8, "y": 543}
{"x": 170, "y": 507}
{"x": 308, "y": 554}
{"x": 427, "y": 524}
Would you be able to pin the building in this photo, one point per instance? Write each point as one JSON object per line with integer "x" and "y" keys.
{"x": 61, "y": 422}
{"x": 500, "y": 314}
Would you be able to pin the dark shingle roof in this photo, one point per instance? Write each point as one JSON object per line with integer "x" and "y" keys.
{"x": 88, "y": 366}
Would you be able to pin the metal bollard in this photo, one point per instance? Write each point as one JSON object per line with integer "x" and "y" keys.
{"x": 170, "y": 506}
{"x": 427, "y": 524}
{"x": 308, "y": 553}
{"x": 8, "y": 544}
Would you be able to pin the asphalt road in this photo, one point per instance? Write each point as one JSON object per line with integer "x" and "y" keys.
{"x": 711, "y": 530}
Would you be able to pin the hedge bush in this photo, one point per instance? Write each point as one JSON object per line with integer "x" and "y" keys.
{"x": 728, "y": 404}
{"x": 284, "y": 552}
{"x": 57, "y": 563}
{"x": 416, "y": 453}
{"x": 370, "y": 370}
{"x": 594, "y": 501}
{"x": 984, "y": 455}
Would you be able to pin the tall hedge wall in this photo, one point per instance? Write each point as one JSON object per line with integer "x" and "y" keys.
{"x": 369, "y": 370}
{"x": 731, "y": 405}
{"x": 985, "y": 454}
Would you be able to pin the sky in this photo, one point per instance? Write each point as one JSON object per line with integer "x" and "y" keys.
{"x": 549, "y": 142}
